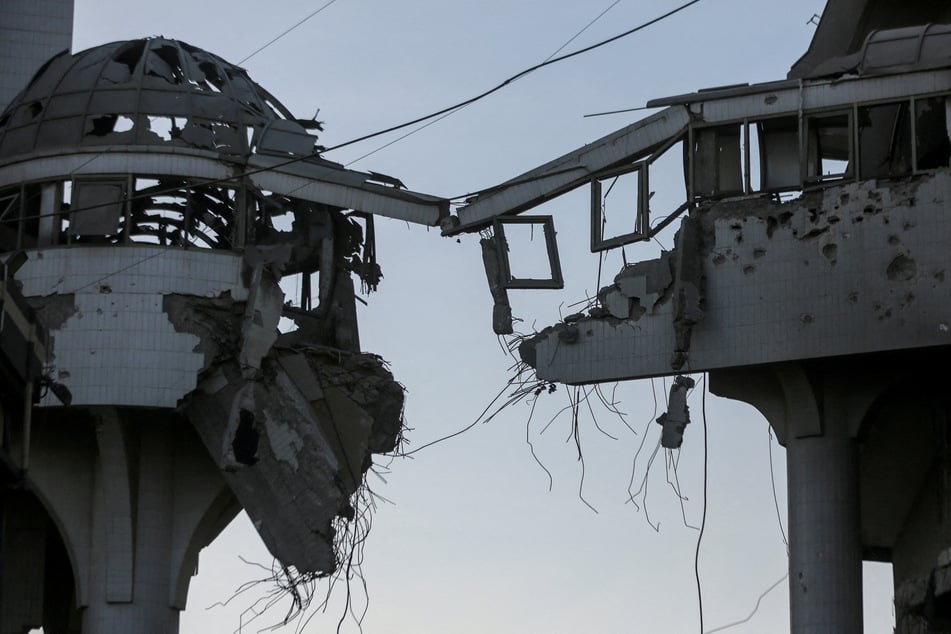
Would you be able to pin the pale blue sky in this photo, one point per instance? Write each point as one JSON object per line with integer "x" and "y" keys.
{"x": 475, "y": 542}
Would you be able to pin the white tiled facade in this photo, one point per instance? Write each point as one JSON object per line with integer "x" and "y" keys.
{"x": 118, "y": 346}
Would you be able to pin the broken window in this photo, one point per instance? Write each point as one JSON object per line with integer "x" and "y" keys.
{"x": 884, "y": 140}
{"x": 96, "y": 209}
{"x": 778, "y": 141}
{"x": 158, "y": 212}
{"x": 932, "y": 129}
{"x": 717, "y": 161}
{"x": 105, "y": 125}
{"x": 10, "y": 237}
{"x": 210, "y": 217}
{"x": 619, "y": 208}
{"x": 828, "y": 147}
{"x": 531, "y": 239}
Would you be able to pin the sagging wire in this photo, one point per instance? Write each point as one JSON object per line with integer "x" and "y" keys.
{"x": 772, "y": 481}
{"x": 523, "y": 388}
{"x": 516, "y": 77}
{"x": 749, "y": 617}
{"x": 531, "y": 446}
{"x": 300, "y": 589}
{"x": 703, "y": 521}
{"x": 576, "y": 435}
{"x": 317, "y": 153}
{"x": 455, "y": 110}
{"x": 283, "y": 33}
{"x": 672, "y": 465}
{"x": 632, "y": 496}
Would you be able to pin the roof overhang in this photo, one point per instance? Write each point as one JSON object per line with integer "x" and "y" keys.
{"x": 317, "y": 181}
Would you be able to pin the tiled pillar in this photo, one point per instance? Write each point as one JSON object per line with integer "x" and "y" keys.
{"x": 825, "y": 554}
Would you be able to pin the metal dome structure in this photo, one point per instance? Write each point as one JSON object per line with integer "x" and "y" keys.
{"x": 157, "y": 141}
{"x": 152, "y": 91}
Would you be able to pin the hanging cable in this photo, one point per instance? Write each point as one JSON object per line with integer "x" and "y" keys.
{"x": 772, "y": 481}
{"x": 703, "y": 520}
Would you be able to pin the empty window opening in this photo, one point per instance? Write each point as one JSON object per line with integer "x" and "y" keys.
{"x": 167, "y": 128}
{"x": 829, "y": 147}
{"x": 778, "y": 141}
{"x": 210, "y": 217}
{"x": 752, "y": 165}
{"x": 158, "y": 213}
{"x": 932, "y": 126}
{"x": 884, "y": 140}
{"x": 106, "y": 124}
{"x": 123, "y": 124}
{"x": 618, "y": 208}
{"x": 10, "y": 237}
{"x": 717, "y": 161}
{"x": 530, "y": 258}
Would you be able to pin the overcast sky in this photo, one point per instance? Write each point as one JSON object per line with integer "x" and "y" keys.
{"x": 475, "y": 541}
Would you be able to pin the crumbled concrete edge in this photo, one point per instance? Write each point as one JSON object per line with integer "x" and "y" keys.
{"x": 294, "y": 441}
{"x": 492, "y": 257}
{"x": 677, "y": 278}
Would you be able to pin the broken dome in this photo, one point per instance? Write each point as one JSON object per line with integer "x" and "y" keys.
{"x": 152, "y": 91}
{"x": 161, "y": 196}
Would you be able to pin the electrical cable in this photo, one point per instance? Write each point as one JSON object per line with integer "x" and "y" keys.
{"x": 444, "y": 111}
{"x": 455, "y": 110}
{"x": 755, "y": 608}
{"x": 772, "y": 481}
{"x": 316, "y": 153}
{"x": 517, "y": 76}
{"x": 703, "y": 520}
{"x": 286, "y": 32}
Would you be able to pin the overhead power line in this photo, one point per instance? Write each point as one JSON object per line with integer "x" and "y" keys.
{"x": 439, "y": 113}
{"x": 455, "y": 110}
{"x": 517, "y": 76}
{"x": 299, "y": 23}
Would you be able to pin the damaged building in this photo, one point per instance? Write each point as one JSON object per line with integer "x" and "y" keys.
{"x": 808, "y": 278}
{"x": 152, "y": 198}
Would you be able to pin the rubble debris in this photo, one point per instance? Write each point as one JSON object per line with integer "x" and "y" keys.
{"x": 492, "y": 259}
{"x": 301, "y": 429}
{"x": 688, "y": 288}
{"x": 675, "y": 420}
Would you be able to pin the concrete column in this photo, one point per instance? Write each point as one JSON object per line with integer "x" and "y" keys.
{"x": 825, "y": 553}
{"x": 135, "y": 497}
{"x": 816, "y": 412}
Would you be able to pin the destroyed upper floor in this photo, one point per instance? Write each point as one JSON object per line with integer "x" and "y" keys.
{"x": 882, "y": 113}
